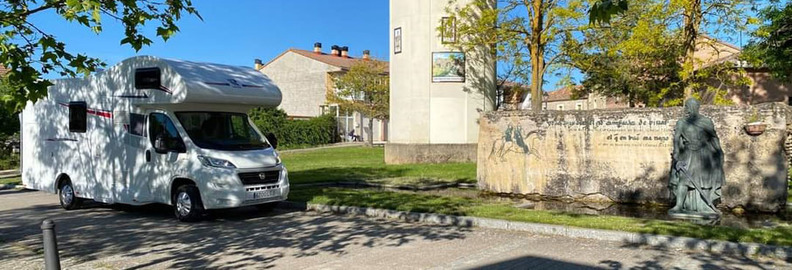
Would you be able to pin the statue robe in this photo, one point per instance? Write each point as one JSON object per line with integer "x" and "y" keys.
{"x": 696, "y": 144}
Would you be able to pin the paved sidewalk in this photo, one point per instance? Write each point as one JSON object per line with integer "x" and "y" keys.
{"x": 149, "y": 238}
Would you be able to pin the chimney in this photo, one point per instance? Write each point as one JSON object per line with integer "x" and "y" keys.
{"x": 366, "y": 54}
{"x": 257, "y": 64}
{"x": 335, "y": 50}
{"x": 345, "y": 52}
{"x": 318, "y": 48}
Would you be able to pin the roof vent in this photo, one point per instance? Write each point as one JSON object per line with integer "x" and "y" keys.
{"x": 345, "y": 51}
{"x": 318, "y": 47}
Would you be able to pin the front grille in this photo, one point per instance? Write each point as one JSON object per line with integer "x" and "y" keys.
{"x": 254, "y": 178}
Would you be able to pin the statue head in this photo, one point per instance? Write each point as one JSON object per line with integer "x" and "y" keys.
{"x": 691, "y": 108}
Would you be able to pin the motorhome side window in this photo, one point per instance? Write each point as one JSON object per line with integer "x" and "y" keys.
{"x": 161, "y": 128}
{"x": 78, "y": 116}
{"x": 137, "y": 124}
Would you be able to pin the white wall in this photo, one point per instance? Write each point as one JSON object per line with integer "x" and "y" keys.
{"x": 423, "y": 112}
{"x": 303, "y": 83}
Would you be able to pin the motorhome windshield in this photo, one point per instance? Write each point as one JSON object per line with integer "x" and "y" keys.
{"x": 221, "y": 131}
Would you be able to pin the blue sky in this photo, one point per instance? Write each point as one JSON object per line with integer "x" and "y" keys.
{"x": 237, "y": 32}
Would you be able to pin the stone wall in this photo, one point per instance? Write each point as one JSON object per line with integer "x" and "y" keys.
{"x": 625, "y": 155}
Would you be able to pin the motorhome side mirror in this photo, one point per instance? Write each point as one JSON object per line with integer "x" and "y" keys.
{"x": 272, "y": 140}
{"x": 160, "y": 146}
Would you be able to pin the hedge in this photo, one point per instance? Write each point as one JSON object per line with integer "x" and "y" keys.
{"x": 296, "y": 133}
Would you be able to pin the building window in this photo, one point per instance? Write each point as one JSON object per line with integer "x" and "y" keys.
{"x": 560, "y": 107}
{"x": 137, "y": 124}
{"x": 78, "y": 116}
{"x": 579, "y": 106}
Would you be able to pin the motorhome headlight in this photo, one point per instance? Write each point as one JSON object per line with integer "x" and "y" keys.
{"x": 216, "y": 162}
{"x": 277, "y": 158}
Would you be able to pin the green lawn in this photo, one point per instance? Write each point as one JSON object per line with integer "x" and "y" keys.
{"x": 367, "y": 164}
{"x": 11, "y": 181}
{"x": 458, "y": 205}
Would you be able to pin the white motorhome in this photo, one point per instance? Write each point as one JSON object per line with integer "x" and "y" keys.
{"x": 151, "y": 130}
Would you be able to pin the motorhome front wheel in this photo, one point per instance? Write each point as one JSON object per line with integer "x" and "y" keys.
{"x": 187, "y": 204}
{"x": 68, "y": 199}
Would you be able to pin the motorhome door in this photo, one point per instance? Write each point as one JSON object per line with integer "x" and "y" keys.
{"x": 165, "y": 145}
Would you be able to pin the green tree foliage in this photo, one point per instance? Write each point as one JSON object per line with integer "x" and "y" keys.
{"x": 772, "y": 43}
{"x": 364, "y": 88}
{"x": 718, "y": 17}
{"x": 9, "y": 118}
{"x": 645, "y": 54}
{"x": 296, "y": 133}
{"x": 634, "y": 57}
{"x": 9, "y": 131}
{"x": 526, "y": 34}
{"x": 30, "y": 51}
{"x": 602, "y": 11}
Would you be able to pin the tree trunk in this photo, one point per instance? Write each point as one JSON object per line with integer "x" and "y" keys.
{"x": 537, "y": 55}
{"x": 692, "y": 24}
{"x": 370, "y": 141}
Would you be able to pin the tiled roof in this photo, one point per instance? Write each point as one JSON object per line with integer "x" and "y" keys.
{"x": 337, "y": 61}
{"x": 564, "y": 93}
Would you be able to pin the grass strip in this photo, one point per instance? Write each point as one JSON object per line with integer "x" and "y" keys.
{"x": 11, "y": 181}
{"x": 367, "y": 164}
{"x": 452, "y": 205}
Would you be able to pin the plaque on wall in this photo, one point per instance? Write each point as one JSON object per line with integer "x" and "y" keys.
{"x": 397, "y": 40}
{"x": 448, "y": 67}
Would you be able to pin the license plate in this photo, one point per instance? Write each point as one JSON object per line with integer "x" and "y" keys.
{"x": 263, "y": 194}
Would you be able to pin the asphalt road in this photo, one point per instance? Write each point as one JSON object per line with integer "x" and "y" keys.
{"x": 112, "y": 237}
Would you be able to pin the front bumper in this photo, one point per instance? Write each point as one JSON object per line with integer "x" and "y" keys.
{"x": 236, "y": 195}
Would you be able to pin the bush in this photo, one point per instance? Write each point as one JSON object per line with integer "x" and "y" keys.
{"x": 9, "y": 161}
{"x": 296, "y": 133}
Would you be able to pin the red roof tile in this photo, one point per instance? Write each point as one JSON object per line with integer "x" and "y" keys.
{"x": 337, "y": 61}
{"x": 564, "y": 93}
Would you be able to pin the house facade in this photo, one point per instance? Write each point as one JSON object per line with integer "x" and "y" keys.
{"x": 305, "y": 77}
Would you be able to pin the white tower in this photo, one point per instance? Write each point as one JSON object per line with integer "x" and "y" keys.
{"x": 436, "y": 98}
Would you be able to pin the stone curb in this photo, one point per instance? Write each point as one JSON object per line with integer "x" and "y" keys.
{"x": 5, "y": 187}
{"x": 401, "y": 187}
{"x": 657, "y": 241}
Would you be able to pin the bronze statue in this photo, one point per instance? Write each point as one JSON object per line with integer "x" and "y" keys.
{"x": 696, "y": 165}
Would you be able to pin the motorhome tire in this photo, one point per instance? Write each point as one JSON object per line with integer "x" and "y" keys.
{"x": 187, "y": 204}
{"x": 266, "y": 207}
{"x": 67, "y": 196}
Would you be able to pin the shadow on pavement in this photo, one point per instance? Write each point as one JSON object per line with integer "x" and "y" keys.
{"x": 15, "y": 191}
{"x": 233, "y": 238}
{"x": 533, "y": 262}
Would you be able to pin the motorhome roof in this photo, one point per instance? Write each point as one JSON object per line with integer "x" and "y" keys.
{"x": 182, "y": 82}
